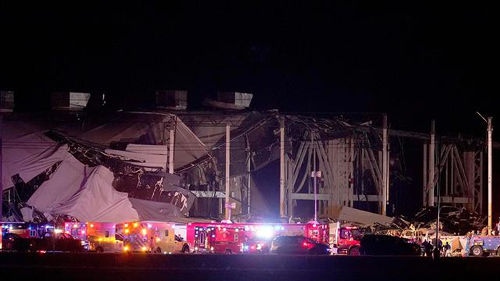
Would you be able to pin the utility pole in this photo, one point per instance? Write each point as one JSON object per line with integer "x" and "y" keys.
{"x": 385, "y": 166}
{"x": 1, "y": 176}
{"x": 249, "y": 182}
{"x": 436, "y": 252}
{"x": 228, "y": 163}
{"x": 489, "y": 137}
{"x": 432, "y": 165}
{"x": 315, "y": 180}
{"x": 490, "y": 187}
{"x": 171, "y": 147}
{"x": 282, "y": 169}
{"x": 425, "y": 172}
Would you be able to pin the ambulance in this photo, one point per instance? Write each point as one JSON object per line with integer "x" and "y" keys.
{"x": 152, "y": 237}
{"x": 98, "y": 236}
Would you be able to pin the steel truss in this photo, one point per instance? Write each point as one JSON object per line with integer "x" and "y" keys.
{"x": 460, "y": 176}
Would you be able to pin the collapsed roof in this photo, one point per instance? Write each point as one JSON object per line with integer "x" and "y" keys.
{"x": 133, "y": 147}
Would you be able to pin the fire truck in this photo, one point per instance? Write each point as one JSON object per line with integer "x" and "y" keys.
{"x": 152, "y": 237}
{"x": 233, "y": 238}
{"x": 24, "y": 230}
{"x": 39, "y": 238}
{"x": 216, "y": 238}
{"x": 11, "y": 232}
{"x": 345, "y": 239}
{"x": 97, "y": 236}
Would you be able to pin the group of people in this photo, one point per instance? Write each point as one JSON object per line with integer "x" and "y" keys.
{"x": 430, "y": 247}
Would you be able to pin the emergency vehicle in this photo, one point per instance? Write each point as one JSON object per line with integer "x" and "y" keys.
{"x": 345, "y": 240}
{"x": 40, "y": 238}
{"x": 232, "y": 238}
{"x": 24, "y": 230}
{"x": 98, "y": 236}
{"x": 152, "y": 237}
{"x": 485, "y": 245}
{"x": 19, "y": 229}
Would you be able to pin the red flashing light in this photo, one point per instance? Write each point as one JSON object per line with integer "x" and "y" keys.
{"x": 307, "y": 245}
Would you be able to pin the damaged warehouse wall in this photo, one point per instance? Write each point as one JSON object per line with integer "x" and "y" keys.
{"x": 134, "y": 146}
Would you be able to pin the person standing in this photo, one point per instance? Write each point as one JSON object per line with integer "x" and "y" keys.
{"x": 467, "y": 244}
{"x": 447, "y": 249}
{"x": 151, "y": 245}
{"x": 427, "y": 248}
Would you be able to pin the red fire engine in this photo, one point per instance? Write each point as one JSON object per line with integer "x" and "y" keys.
{"x": 231, "y": 238}
{"x": 346, "y": 240}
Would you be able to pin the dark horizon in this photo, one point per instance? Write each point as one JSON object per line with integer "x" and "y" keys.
{"x": 414, "y": 61}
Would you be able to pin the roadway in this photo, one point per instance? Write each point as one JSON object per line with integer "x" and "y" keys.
{"x": 92, "y": 266}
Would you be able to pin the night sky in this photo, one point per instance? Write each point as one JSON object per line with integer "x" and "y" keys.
{"x": 413, "y": 60}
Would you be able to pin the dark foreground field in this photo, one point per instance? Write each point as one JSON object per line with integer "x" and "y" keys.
{"x": 58, "y": 266}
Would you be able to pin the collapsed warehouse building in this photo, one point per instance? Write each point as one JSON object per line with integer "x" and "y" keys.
{"x": 166, "y": 164}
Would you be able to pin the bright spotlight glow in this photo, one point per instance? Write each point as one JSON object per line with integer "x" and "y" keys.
{"x": 265, "y": 232}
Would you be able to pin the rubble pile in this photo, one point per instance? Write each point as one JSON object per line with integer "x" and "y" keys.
{"x": 454, "y": 220}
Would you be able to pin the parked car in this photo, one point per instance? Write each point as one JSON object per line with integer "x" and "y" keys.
{"x": 388, "y": 245}
{"x": 298, "y": 245}
{"x": 59, "y": 242}
{"x": 14, "y": 242}
{"x": 257, "y": 246}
